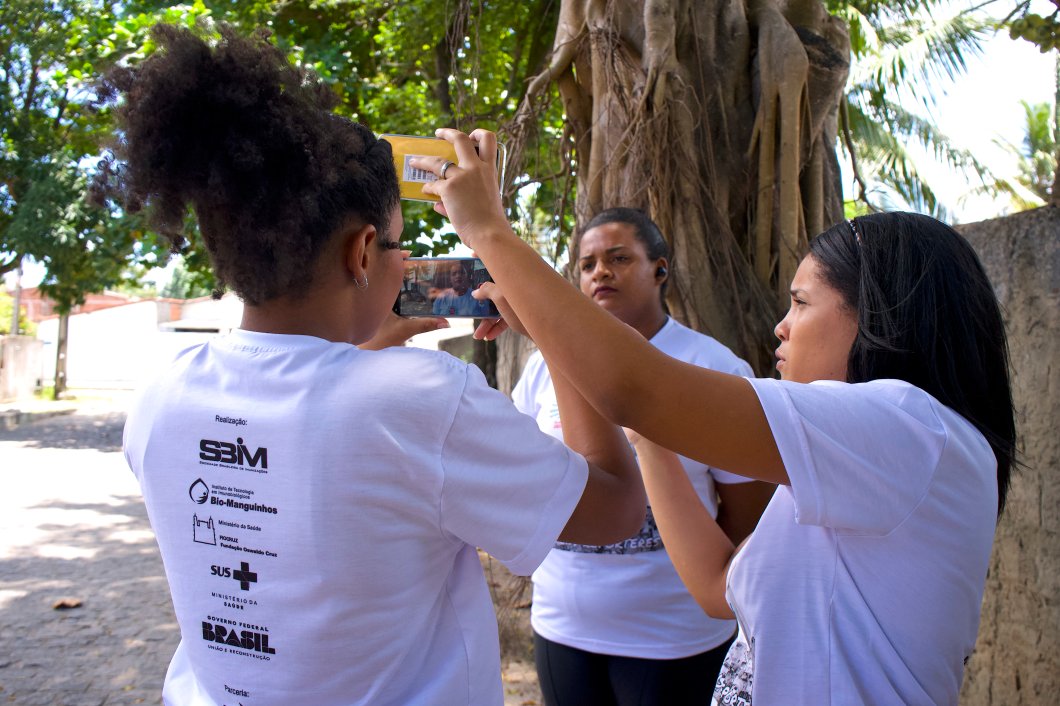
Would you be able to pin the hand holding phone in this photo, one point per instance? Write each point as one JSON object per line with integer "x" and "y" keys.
{"x": 411, "y": 179}
{"x": 442, "y": 286}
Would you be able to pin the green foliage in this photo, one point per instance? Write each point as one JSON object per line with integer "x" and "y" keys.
{"x": 186, "y": 284}
{"x": 7, "y": 315}
{"x": 50, "y": 135}
{"x": 1036, "y": 161}
{"x": 1039, "y": 30}
{"x": 1038, "y": 158}
{"x": 900, "y": 50}
{"x": 403, "y": 67}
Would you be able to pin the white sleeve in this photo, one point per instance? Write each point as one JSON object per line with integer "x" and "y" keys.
{"x": 859, "y": 457}
{"x": 509, "y": 488}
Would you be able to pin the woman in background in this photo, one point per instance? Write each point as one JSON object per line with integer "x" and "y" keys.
{"x": 613, "y": 624}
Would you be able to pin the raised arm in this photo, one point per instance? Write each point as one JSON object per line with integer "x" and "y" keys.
{"x": 622, "y": 375}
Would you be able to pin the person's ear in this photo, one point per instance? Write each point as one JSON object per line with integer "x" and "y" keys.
{"x": 355, "y": 250}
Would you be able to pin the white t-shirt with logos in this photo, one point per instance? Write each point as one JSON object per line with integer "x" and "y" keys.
{"x": 863, "y": 581}
{"x": 626, "y": 599}
{"x": 318, "y": 509}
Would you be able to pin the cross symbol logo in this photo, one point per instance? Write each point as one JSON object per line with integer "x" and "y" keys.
{"x": 245, "y": 576}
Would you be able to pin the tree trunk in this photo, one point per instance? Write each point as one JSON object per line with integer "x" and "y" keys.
{"x": 60, "y": 357}
{"x": 17, "y": 303}
{"x": 719, "y": 119}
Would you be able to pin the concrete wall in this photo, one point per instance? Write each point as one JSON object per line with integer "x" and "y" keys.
{"x": 20, "y": 358}
{"x": 121, "y": 347}
{"x": 1017, "y": 656}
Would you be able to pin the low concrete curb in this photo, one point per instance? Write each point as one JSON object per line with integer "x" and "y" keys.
{"x": 13, "y": 417}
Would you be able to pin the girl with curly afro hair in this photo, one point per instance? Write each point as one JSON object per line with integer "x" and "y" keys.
{"x": 318, "y": 498}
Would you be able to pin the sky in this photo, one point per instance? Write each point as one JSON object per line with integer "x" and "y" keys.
{"x": 977, "y": 108}
{"x": 984, "y": 105}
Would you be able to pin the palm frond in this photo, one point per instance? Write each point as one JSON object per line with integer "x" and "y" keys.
{"x": 919, "y": 51}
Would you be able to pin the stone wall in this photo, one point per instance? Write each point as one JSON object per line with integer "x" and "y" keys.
{"x": 20, "y": 363}
{"x": 1017, "y": 656}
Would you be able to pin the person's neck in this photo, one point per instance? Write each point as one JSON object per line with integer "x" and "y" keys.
{"x": 650, "y": 324}
{"x": 303, "y": 316}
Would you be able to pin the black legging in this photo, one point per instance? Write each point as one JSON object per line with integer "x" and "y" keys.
{"x": 572, "y": 677}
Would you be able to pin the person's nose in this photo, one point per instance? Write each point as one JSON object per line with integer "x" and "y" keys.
{"x": 601, "y": 271}
{"x": 782, "y": 328}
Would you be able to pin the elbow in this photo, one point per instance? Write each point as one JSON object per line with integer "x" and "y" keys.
{"x": 710, "y": 596}
{"x": 620, "y": 404}
{"x": 624, "y": 524}
{"x": 716, "y": 609}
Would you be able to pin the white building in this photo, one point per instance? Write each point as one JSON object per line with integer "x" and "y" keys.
{"x": 122, "y": 346}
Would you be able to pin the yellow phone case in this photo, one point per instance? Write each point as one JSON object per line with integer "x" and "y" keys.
{"x": 411, "y": 179}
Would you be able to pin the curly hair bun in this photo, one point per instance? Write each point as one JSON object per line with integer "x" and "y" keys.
{"x": 247, "y": 140}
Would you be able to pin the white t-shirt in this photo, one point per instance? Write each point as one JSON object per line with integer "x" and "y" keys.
{"x": 626, "y": 599}
{"x": 318, "y": 509}
{"x": 863, "y": 581}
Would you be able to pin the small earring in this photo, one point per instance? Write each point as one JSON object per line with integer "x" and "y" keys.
{"x": 359, "y": 285}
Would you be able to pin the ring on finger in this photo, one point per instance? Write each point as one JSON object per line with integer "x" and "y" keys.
{"x": 445, "y": 166}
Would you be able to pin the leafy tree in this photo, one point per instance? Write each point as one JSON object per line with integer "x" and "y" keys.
{"x": 900, "y": 50}
{"x": 49, "y": 134}
{"x": 1036, "y": 160}
{"x": 1045, "y": 33}
{"x": 185, "y": 285}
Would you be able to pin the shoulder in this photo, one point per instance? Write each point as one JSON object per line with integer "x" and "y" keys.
{"x": 684, "y": 343}
{"x": 877, "y": 408}
{"x": 412, "y": 367}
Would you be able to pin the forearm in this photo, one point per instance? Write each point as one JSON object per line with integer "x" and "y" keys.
{"x": 626, "y": 378}
{"x": 696, "y": 544}
{"x": 612, "y": 506}
{"x": 740, "y": 505}
{"x": 621, "y": 374}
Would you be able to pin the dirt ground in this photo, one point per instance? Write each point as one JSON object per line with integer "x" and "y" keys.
{"x": 511, "y": 599}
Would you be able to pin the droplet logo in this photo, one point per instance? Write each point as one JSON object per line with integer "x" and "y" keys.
{"x": 198, "y": 492}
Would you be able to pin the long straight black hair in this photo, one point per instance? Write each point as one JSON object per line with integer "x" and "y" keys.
{"x": 927, "y": 314}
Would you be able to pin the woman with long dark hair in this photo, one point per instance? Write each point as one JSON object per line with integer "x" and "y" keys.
{"x": 890, "y": 437}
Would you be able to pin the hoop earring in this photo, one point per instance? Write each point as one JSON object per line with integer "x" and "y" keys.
{"x": 359, "y": 285}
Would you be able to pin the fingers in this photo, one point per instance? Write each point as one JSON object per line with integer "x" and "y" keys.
{"x": 465, "y": 148}
{"x": 489, "y": 329}
{"x": 487, "y": 145}
{"x": 395, "y": 330}
{"x": 489, "y": 290}
{"x": 423, "y": 324}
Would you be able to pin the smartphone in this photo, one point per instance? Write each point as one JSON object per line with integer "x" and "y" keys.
{"x": 442, "y": 286}
{"x": 410, "y": 179}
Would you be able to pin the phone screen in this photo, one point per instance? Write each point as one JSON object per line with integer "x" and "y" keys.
{"x": 410, "y": 179}
{"x": 442, "y": 286}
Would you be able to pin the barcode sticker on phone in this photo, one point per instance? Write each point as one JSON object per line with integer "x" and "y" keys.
{"x": 410, "y": 173}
